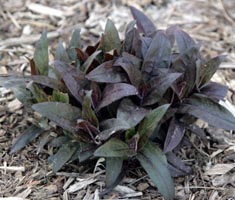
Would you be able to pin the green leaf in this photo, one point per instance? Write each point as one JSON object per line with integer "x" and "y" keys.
{"x": 41, "y": 54}
{"x": 64, "y": 115}
{"x": 74, "y": 43}
{"x": 87, "y": 112}
{"x": 154, "y": 162}
{"x": 113, "y": 171}
{"x": 38, "y": 92}
{"x": 111, "y": 37}
{"x": 26, "y": 137}
{"x": 61, "y": 54}
{"x": 208, "y": 110}
{"x": 63, "y": 155}
{"x": 60, "y": 96}
{"x": 149, "y": 123}
{"x": 114, "y": 148}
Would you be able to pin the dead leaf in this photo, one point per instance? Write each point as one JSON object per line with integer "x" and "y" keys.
{"x": 219, "y": 169}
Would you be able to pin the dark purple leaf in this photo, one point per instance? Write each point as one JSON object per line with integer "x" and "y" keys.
{"x": 111, "y": 37}
{"x": 74, "y": 80}
{"x": 208, "y": 69}
{"x": 197, "y": 131}
{"x": 129, "y": 34}
{"x": 112, "y": 126}
{"x": 154, "y": 162}
{"x": 49, "y": 82}
{"x": 132, "y": 59}
{"x": 130, "y": 113}
{"x": 90, "y": 130}
{"x": 64, "y": 115}
{"x": 158, "y": 53}
{"x": 214, "y": 90}
{"x": 143, "y": 22}
{"x": 132, "y": 71}
{"x": 206, "y": 109}
{"x": 82, "y": 56}
{"x": 183, "y": 40}
{"x": 177, "y": 165}
{"x": 86, "y": 65}
{"x": 146, "y": 41}
{"x": 96, "y": 95}
{"x": 186, "y": 63}
{"x": 174, "y": 136}
{"x": 160, "y": 84}
{"x": 116, "y": 91}
{"x": 114, "y": 148}
{"x": 107, "y": 73}
{"x": 150, "y": 122}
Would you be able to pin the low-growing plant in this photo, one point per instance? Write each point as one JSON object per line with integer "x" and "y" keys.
{"x": 123, "y": 100}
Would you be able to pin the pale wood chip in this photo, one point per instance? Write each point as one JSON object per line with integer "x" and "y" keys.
{"x": 220, "y": 169}
{"x": 80, "y": 185}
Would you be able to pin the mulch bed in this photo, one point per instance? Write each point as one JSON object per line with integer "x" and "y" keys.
{"x": 27, "y": 175}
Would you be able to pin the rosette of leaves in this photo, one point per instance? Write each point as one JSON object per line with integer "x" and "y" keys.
{"x": 123, "y": 100}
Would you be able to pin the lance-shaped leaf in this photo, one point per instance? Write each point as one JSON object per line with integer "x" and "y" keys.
{"x": 74, "y": 80}
{"x": 160, "y": 84}
{"x": 154, "y": 162}
{"x": 87, "y": 112}
{"x": 107, "y": 73}
{"x": 113, "y": 171}
{"x": 214, "y": 90}
{"x": 64, "y": 115}
{"x": 208, "y": 69}
{"x": 63, "y": 155}
{"x": 127, "y": 43}
{"x": 131, "y": 113}
{"x": 116, "y": 91}
{"x": 174, "y": 136}
{"x": 41, "y": 54}
{"x": 26, "y": 137}
{"x": 112, "y": 126}
{"x": 177, "y": 165}
{"x": 74, "y": 43}
{"x": 149, "y": 123}
{"x": 114, "y": 148}
{"x": 38, "y": 92}
{"x": 61, "y": 54}
{"x": 184, "y": 41}
{"x": 209, "y": 111}
{"x": 158, "y": 53}
{"x": 144, "y": 24}
{"x": 111, "y": 37}
{"x": 132, "y": 70}
{"x": 86, "y": 65}
{"x": 49, "y": 82}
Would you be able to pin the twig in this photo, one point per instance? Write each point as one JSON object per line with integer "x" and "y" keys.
{"x": 11, "y": 168}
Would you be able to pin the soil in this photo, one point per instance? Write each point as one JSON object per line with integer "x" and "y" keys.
{"x": 27, "y": 175}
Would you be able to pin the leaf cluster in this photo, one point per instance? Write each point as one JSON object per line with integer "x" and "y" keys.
{"x": 123, "y": 100}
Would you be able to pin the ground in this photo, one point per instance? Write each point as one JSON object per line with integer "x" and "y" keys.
{"x": 27, "y": 175}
